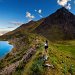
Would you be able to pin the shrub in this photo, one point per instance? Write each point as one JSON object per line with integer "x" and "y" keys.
{"x": 65, "y": 69}
{"x": 72, "y": 69}
{"x": 37, "y": 67}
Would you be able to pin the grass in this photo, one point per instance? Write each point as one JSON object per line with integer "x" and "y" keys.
{"x": 31, "y": 62}
{"x": 37, "y": 67}
{"x": 68, "y": 47}
{"x": 61, "y": 56}
{"x": 65, "y": 54}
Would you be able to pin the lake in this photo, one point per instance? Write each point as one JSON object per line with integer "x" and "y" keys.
{"x": 5, "y": 48}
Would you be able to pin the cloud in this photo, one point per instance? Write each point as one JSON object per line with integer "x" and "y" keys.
{"x": 5, "y": 30}
{"x": 16, "y": 23}
{"x": 64, "y": 3}
{"x": 10, "y": 27}
{"x": 39, "y": 11}
{"x": 1, "y": 34}
{"x": 35, "y": 10}
{"x": 29, "y": 16}
{"x": 68, "y": 6}
{"x": 41, "y": 16}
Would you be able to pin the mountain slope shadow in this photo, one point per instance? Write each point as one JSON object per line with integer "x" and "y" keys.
{"x": 59, "y": 25}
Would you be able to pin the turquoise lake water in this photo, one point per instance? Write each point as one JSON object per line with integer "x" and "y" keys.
{"x": 5, "y": 48}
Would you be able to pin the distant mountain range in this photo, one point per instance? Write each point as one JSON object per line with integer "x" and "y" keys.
{"x": 59, "y": 25}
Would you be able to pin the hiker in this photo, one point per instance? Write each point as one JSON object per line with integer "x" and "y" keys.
{"x": 46, "y": 46}
{"x": 45, "y": 52}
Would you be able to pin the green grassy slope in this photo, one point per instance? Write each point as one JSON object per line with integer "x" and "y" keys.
{"x": 62, "y": 58}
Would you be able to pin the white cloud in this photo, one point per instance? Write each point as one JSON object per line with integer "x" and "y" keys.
{"x": 64, "y": 3}
{"x": 29, "y": 16}
{"x": 68, "y": 6}
{"x": 10, "y": 27}
{"x": 1, "y": 34}
{"x": 13, "y": 25}
{"x": 5, "y": 30}
{"x": 39, "y": 11}
{"x": 16, "y": 23}
{"x": 41, "y": 16}
{"x": 35, "y": 10}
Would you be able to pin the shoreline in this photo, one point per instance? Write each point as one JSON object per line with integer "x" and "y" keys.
{"x": 12, "y": 47}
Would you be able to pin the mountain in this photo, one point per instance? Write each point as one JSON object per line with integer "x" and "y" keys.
{"x": 58, "y": 26}
{"x": 23, "y": 29}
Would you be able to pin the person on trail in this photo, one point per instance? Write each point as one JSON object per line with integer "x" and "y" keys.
{"x": 45, "y": 56}
{"x": 46, "y": 46}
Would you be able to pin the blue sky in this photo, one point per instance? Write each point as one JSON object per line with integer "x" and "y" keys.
{"x": 15, "y": 12}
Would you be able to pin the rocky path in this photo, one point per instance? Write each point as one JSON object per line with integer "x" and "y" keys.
{"x": 8, "y": 70}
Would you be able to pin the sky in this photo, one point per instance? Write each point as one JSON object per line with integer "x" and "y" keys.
{"x": 14, "y": 13}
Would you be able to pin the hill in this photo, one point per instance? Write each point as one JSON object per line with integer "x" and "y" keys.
{"x": 23, "y": 29}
